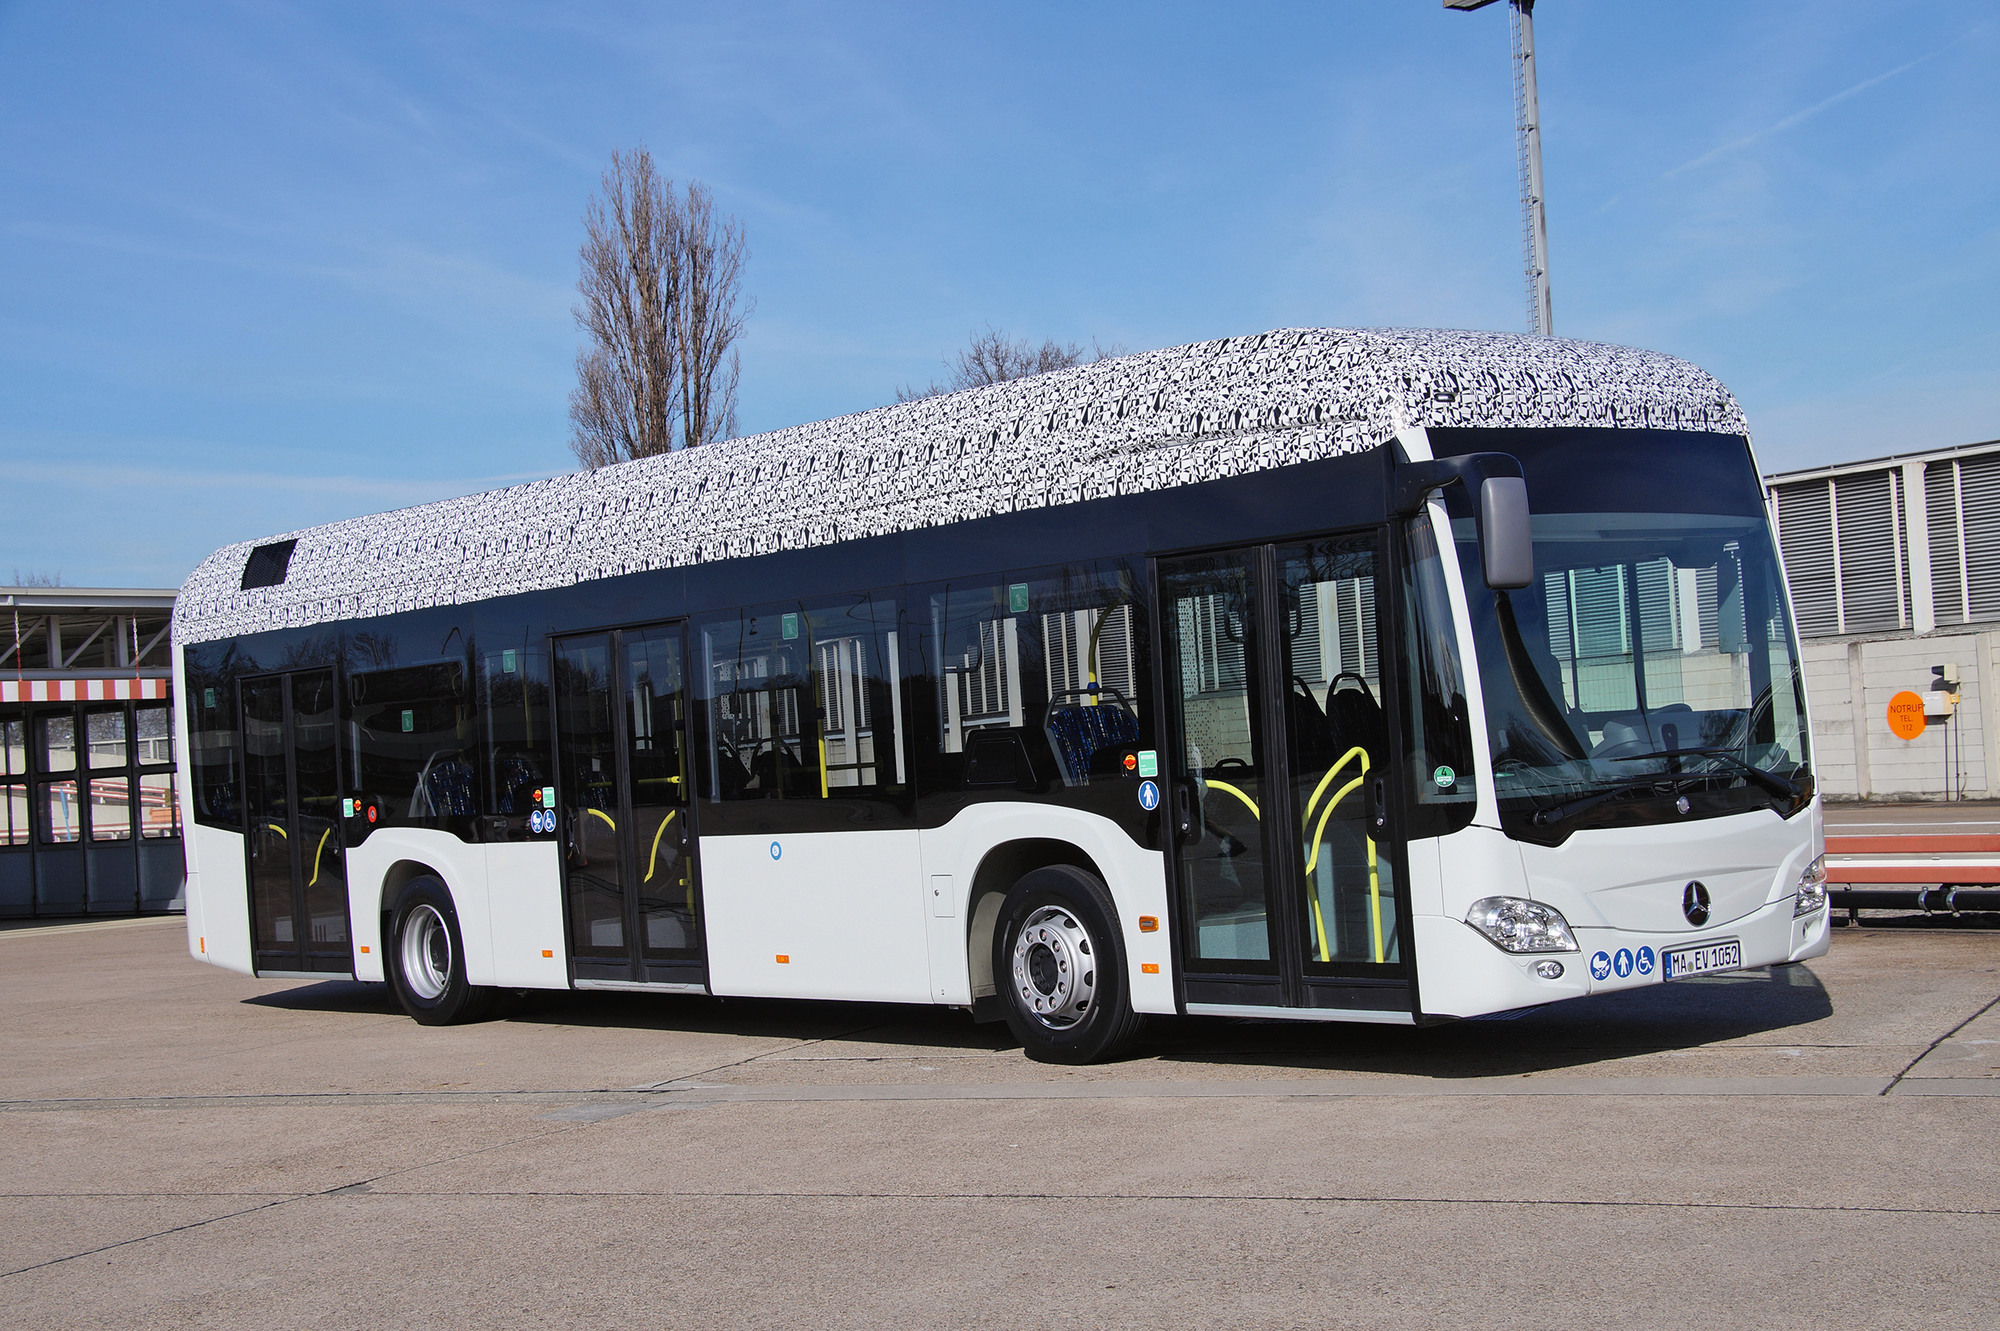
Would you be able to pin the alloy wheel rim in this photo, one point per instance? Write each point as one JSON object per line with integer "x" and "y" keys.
{"x": 1055, "y": 968}
{"x": 426, "y": 953}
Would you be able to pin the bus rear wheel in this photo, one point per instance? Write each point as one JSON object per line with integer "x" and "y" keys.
{"x": 1059, "y": 968}
{"x": 426, "y": 958}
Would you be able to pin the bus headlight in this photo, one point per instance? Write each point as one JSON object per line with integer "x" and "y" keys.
{"x": 1812, "y": 889}
{"x": 1515, "y": 925}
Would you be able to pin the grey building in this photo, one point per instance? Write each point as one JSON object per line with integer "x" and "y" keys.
{"x": 1894, "y": 568}
{"x": 88, "y": 819}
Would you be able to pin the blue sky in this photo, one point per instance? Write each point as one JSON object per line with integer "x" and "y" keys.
{"x": 267, "y": 265}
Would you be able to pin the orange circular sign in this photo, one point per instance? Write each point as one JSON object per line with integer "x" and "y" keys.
{"x": 1906, "y": 715}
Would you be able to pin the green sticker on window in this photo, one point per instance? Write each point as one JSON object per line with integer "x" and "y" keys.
{"x": 409, "y": 720}
{"x": 791, "y": 627}
{"x": 1017, "y": 598}
{"x": 1149, "y": 762}
{"x": 507, "y": 662}
{"x": 1445, "y": 778}
{"x": 208, "y": 697}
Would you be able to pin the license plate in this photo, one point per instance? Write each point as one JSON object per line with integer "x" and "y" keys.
{"x": 1683, "y": 961}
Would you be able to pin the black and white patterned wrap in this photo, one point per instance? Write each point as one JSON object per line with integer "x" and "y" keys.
{"x": 1122, "y": 426}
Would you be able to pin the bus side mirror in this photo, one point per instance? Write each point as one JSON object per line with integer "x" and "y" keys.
{"x": 1506, "y": 546}
{"x": 1506, "y": 542}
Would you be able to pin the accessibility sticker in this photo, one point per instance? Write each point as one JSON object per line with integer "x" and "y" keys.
{"x": 1149, "y": 795}
{"x": 1600, "y": 966}
{"x": 777, "y": 851}
{"x": 1622, "y": 963}
{"x": 1646, "y": 960}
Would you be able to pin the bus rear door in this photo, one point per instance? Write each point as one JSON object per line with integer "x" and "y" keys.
{"x": 297, "y": 866}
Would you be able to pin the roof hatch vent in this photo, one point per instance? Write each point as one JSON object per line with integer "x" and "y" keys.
{"x": 268, "y": 564}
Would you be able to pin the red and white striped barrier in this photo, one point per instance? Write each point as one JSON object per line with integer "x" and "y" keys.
{"x": 1931, "y": 871}
{"x": 80, "y": 690}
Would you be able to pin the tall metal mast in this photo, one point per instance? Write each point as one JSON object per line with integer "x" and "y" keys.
{"x": 1528, "y": 140}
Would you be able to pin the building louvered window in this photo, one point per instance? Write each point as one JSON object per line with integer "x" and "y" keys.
{"x": 1871, "y": 552}
{"x": 1805, "y": 534}
{"x": 1979, "y": 503}
{"x": 1947, "y": 555}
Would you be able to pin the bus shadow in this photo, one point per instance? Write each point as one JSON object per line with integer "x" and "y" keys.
{"x": 1685, "y": 1015}
{"x": 912, "y": 1026}
{"x": 331, "y": 996}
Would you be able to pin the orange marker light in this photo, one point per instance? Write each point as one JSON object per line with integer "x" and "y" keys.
{"x": 201, "y": 942}
{"x": 1149, "y": 924}
{"x": 364, "y": 948}
{"x": 548, "y": 952}
{"x": 1149, "y": 968}
{"x": 784, "y": 959}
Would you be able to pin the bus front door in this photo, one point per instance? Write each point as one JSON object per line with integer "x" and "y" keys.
{"x": 1285, "y": 873}
{"x": 297, "y": 866}
{"x": 631, "y": 891}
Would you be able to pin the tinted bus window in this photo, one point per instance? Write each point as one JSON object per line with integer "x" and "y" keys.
{"x": 1039, "y": 678}
{"x": 802, "y": 701}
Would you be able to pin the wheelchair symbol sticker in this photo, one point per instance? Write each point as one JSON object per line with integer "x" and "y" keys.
{"x": 1149, "y": 795}
{"x": 777, "y": 851}
{"x": 1600, "y": 966}
{"x": 1646, "y": 961}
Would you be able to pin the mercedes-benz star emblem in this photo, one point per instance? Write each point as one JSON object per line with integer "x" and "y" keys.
{"x": 1682, "y": 804}
{"x": 1694, "y": 903}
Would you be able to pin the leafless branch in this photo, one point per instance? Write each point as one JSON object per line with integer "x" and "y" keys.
{"x": 991, "y": 357}
{"x": 659, "y": 298}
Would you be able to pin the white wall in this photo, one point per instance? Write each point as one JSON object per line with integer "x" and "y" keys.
{"x": 1849, "y": 682}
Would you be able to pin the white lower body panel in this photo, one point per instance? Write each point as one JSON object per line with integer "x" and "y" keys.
{"x": 218, "y": 898}
{"x": 816, "y": 915}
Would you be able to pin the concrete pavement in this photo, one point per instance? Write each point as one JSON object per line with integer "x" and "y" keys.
{"x": 1806, "y": 1147}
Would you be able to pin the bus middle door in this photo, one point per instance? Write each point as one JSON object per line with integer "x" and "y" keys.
{"x": 1285, "y": 868}
{"x": 631, "y": 889}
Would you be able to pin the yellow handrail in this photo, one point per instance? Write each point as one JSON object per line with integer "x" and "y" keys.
{"x": 317, "y": 852}
{"x": 607, "y": 818}
{"x": 1312, "y": 857}
{"x": 1331, "y": 772}
{"x": 653, "y": 860}
{"x": 1213, "y": 784}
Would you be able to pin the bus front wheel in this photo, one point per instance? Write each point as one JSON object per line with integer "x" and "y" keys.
{"x": 1060, "y": 969}
{"x": 427, "y": 958}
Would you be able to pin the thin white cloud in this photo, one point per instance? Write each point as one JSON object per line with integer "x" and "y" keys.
{"x": 1796, "y": 118}
{"x": 394, "y": 492}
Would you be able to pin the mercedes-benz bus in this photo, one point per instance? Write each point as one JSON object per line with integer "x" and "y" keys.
{"x": 1329, "y": 675}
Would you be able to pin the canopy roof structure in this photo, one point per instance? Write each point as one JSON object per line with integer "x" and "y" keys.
{"x": 1123, "y": 426}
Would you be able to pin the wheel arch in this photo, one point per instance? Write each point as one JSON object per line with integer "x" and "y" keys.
{"x": 999, "y": 869}
{"x": 399, "y": 876}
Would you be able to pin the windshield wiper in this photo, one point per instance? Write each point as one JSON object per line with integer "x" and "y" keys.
{"x": 1770, "y": 781}
{"x": 1555, "y": 813}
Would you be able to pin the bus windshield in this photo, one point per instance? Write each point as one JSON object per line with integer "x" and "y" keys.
{"x": 1650, "y": 672}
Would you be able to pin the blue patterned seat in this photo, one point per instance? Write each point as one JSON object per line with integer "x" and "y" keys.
{"x": 1078, "y": 734}
{"x": 448, "y": 787}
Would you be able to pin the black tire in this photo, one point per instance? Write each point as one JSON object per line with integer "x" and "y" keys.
{"x": 1070, "y": 1003}
{"x": 425, "y": 958}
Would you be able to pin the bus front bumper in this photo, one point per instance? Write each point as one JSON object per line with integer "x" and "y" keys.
{"x": 1461, "y": 974}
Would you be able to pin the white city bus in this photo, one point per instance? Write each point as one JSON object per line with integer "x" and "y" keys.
{"x": 1333, "y": 675}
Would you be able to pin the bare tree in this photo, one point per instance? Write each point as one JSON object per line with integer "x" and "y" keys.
{"x": 659, "y": 296}
{"x": 991, "y": 357}
{"x": 34, "y": 578}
